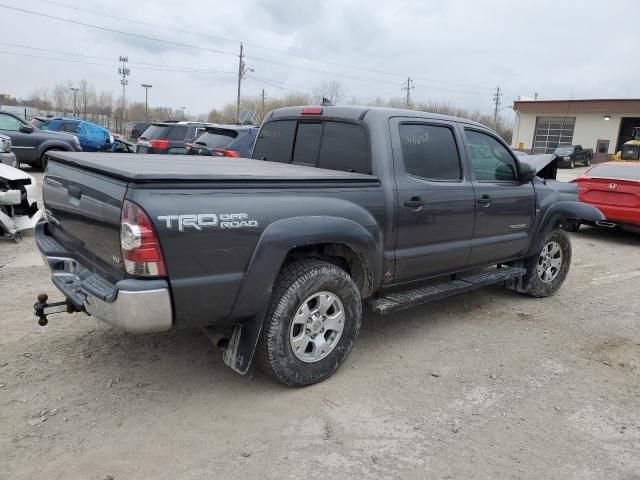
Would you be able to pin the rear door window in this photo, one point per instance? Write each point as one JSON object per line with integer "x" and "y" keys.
{"x": 275, "y": 141}
{"x": 430, "y": 152}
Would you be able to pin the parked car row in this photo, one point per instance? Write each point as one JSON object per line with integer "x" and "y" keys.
{"x": 196, "y": 138}
{"x": 30, "y": 144}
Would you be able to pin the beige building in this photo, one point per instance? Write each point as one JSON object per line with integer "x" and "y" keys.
{"x": 603, "y": 125}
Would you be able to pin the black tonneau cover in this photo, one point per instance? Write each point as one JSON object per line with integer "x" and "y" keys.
{"x": 141, "y": 168}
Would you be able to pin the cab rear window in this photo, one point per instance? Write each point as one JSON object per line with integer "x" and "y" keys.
{"x": 327, "y": 144}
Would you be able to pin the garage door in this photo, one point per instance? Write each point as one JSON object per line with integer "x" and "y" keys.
{"x": 552, "y": 132}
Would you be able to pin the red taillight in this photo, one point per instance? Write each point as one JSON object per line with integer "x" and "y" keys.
{"x": 139, "y": 243}
{"x": 221, "y": 152}
{"x": 161, "y": 144}
{"x": 312, "y": 111}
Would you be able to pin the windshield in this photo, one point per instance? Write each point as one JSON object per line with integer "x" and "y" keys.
{"x": 563, "y": 151}
{"x": 41, "y": 124}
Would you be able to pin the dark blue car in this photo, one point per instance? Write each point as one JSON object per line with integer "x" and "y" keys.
{"x": 92, "y": 137}
{"x": 224, "y": 141}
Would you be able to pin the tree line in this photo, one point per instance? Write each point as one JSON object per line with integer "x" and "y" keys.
{"x": 104, "y": 108}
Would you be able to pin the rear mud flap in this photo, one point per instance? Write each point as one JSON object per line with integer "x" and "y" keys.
{"x": 242, "y": 344}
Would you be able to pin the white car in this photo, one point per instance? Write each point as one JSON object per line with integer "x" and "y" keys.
{"x": 6, "y": 155}
{"x": 18, "y": 205}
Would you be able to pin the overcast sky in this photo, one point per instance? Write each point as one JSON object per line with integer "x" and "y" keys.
{"x": 456, "y": 50}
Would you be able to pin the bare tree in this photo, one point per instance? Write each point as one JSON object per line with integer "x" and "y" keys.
{"x": 86, "y": 98}
{"x": 332, "y": 90}
{"x": 62, "y": 97}
{"x": 136, "y": 111}
{"x": 39, "y": 99}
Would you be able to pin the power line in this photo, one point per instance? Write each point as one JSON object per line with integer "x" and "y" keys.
{"x": 162, "y": 66}
{"x": 110, "y": 65}
{"x": 282, "y": 52}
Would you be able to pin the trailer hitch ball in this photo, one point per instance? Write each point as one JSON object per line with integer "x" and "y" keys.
{"x": 42, "y": 298}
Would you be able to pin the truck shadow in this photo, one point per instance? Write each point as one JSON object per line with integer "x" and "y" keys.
{"x": 626, "y": 236}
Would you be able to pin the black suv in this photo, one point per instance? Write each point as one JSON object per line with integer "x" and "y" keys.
{"x": 30, "y": 144}
{"x": 169, "y": 137}
{"x": 224, "y": 141}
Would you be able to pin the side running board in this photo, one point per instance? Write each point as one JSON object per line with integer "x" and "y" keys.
{"x": 463, "y": 283}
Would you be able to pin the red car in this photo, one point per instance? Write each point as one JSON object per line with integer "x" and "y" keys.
{"x": 614, "y": 189}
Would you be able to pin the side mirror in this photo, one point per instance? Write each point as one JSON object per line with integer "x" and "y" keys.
{"x": 26, "y": 129}
{"x": 527, "y": 172}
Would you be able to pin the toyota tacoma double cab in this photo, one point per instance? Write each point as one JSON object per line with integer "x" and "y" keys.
{"x": 339, "y": 207}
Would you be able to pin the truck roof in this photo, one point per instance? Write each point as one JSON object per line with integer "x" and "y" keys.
{"x": 145, "y": 168}
{"x": 356, "y": 112}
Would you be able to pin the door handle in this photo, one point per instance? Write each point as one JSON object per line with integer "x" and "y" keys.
{"x": 415, "y": 202}
{"x": 484, "y": 201}
{"x": 75, "y": 191}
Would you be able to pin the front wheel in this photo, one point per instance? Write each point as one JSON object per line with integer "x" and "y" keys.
{"x": 572, "y": 164}
{"x": 312, "y": 323}
{"x": 550, "y": 269}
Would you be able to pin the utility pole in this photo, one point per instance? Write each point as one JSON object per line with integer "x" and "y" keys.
{"x": 242, "y": 71}
{"x": 124, "y": 72}
{"x": 146, "y": 87}
{"x": 74, "y": 90}
{"x": 264, "y": 97}
{"x": 496, "y": 100}
{"x": 535, "y": 96}
{"x": 408, "y": 87}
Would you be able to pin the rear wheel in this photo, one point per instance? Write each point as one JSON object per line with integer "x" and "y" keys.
{"x": 550, "y": 269}
{"x": 44, "y": 158}
{"x": 587, "y": 162}
{"x": 312, "y": 323}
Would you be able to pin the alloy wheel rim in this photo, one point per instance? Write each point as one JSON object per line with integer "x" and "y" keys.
{"x": 550, "y": 262}
{"x": 317, "y": 327}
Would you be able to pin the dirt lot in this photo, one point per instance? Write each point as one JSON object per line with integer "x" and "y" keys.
{"x": 485, "y": 385}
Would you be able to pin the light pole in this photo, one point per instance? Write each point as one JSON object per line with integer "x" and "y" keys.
{"x": 146, "y": 87}
{"x": 74, "y": 90}
{"x": 184, "y": 117}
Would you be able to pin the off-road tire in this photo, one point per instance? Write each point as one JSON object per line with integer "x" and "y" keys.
{"x": 538, "y": 288}
{"x": 296, "y": 282}
{"x": 44, "y": 158}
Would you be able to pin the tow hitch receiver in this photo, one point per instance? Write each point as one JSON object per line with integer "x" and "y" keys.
{"x": 43, "y": 309}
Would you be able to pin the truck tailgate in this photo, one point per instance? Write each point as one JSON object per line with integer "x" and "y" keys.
{"x": 83, "y": 208}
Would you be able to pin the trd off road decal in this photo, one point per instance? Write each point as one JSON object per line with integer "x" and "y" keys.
{"x": 207, "y": 220}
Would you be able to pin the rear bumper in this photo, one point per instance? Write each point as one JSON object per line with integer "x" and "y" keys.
{"x": 137, "y": 306}
{"x": 621, "y": 215}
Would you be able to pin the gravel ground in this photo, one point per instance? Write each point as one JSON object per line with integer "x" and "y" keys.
{"x": 489, "y": 384}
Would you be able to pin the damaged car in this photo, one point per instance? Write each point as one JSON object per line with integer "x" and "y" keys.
{"x": 18, "y": 205}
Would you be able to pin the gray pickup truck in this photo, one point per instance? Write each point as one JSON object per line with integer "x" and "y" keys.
{"x": 339, "y": 207}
